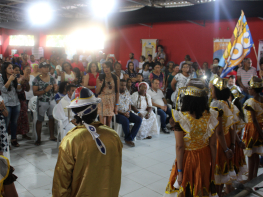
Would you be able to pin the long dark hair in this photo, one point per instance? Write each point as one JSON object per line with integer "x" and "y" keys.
{"x": 4, "y": 76}
{"x": 223, "y": 95}
{"x": 62, "y": 86}
{"x": 89, "y": 69}
{"x": 64, "y": 64}
{"x": 88, "y": 118}
{"x": 195, "y": 105}
{"x": 129, "y": 69}
{"x": 77, "y": 71}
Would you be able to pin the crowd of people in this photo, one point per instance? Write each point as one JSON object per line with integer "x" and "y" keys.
{"x": 217, "y": 122}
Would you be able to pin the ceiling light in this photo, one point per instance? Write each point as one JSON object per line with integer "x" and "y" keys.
{"x": 40, "y": 13}
{"x": 102, "y": 8}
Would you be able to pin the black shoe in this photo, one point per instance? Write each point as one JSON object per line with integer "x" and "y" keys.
{"x": 165, "y": 130}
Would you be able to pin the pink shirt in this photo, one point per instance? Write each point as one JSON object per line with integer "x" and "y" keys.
{"x": 31, "y": 64}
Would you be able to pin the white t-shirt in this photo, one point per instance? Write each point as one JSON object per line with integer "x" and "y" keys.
{"x": 157, "y": 97}
{"x": 58, "y": 67}
{"x": 30, "y": 94}
{"x": 141, "y": 65}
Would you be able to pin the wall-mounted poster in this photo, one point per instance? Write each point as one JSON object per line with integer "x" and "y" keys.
{"x": 148, "y": 46}
{"x": 260, "y": 53}
{"x": 220, "y": 46}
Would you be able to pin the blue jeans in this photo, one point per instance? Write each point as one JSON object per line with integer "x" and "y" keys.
{"x": 163, "y": 115}
{"x": 246, "y": 96}
{"x": 13, "y": 114}
{"x": 125, "y": 122}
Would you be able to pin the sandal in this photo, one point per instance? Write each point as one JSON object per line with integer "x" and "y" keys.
{"x": 37, "y": 143}
{"x": 55, "y": 139}
{"x": 26, "y": 137}
{"x": 148, "y": 137}
{"x": 14, "y": 143}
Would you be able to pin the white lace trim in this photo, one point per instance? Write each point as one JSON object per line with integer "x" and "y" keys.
{"x": 236, "y": 112}
{"x": 223, "y": 179}
{"x": 257, "y": 150}
{"x": 227, "y": 112}
{"x": 242, "y": 171}
{"x": 254, "y": 105}
{"x": 212, "y": 124}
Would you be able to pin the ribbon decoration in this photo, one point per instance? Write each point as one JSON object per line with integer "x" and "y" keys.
{"x": 96, "y": 138}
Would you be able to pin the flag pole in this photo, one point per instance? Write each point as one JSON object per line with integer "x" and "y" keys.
{"x": 255, "y": 53}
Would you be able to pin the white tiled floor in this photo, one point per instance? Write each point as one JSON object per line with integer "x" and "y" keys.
{"x": 145, "y": 168}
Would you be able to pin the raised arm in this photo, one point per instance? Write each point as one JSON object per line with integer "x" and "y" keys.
{"x": 179, "y": 138}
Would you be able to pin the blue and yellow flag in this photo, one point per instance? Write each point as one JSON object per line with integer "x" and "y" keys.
{"x": 238, "y": 47}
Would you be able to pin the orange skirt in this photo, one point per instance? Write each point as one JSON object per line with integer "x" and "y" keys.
{"x": 240, "y": 164}
{"x": 252, "y": 140}
{"x": 224, "y": 170}
{"x": 197, "y": 173}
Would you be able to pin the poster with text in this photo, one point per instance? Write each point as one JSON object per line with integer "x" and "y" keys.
{"x": 220, "y": 46}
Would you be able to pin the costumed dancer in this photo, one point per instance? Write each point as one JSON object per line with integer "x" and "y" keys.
{"x": 253, "y": 135}
{"x": 7, "y": 178}
{"x": 194, "y": 128}
{"x": 90, "y": 155}
{"x": 240, "y": 164}
{"x": 224, "y": 170}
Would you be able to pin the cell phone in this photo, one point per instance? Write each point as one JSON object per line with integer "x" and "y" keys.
{"x": 111, "y": 55}
{"x": 18, "y": 75}
{"x": 101, "y": 76}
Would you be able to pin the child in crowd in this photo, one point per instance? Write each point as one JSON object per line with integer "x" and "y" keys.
{"x": 139, "y": 80}
{"x": 129, "y": 84}
{"x": 142, "y": 61}
{"x": 52, "y": 73}
{"x": 253, "y": 135}
{"x": 145, "y": 72}
{"x": 78, "y": 79}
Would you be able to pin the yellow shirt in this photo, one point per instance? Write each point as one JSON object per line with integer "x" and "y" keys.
{"x": 82, "y": 170}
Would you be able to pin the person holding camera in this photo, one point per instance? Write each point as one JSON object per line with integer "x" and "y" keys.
{"x": 159, "y": 54}
{"x": 107, "y": 88}
{"x": 10, "y": 85}
{"x": 45, "y": 87}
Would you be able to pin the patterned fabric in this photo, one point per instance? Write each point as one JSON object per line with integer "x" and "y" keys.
{"x": 3, "y": 135}
{"x": 22, "y": 122}
{"x": 10, "y": 97}
{"x": 124, "y": 102}
{"x": 42, "y": 86}
{"x": 181, "y": 81}
{"x": 160, "y": 77}
{"x": 106, "y": 107}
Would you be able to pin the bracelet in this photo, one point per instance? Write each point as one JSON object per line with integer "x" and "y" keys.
{"x": 180, "y": 170}
{"x": 240, "y": 141}
{"x": 95, "y": 87}
{"x": 226, "y": 150}
{"x": 117, "y": 104}
{"x": 19, "y": 84}
{"x": 138, "y": 112}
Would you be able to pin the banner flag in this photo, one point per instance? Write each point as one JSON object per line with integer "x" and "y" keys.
{"x": 238, "y": 47}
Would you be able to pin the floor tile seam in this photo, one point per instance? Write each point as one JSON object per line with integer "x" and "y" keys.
{"x": 153, "y": 172}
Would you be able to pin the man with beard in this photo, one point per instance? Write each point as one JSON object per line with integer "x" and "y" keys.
{"x": 135, "y": 62}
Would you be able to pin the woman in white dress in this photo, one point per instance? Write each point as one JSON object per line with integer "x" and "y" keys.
{"x": 181, "y": 79}
{"x": 142, "y": 104}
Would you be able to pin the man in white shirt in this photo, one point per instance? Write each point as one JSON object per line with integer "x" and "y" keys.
{"x": 62, "y": 110}
{"x": 159, "y": 101}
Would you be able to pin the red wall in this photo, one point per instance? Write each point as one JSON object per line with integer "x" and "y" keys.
{"x": 181, "y": 38}
{"x": 178, "y": 39}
